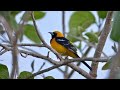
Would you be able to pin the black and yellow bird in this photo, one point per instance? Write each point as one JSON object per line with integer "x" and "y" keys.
{"x": 64, "y": 46}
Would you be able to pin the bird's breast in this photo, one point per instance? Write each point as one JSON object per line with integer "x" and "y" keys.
{"x": 59, "y": 48}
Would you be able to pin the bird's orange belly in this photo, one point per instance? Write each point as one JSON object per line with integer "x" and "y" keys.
{"x": 61, "y": 49}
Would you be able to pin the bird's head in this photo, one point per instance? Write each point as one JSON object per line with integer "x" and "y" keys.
{"x": 56, "y": 34}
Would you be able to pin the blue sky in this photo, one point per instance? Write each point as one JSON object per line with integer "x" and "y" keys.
{"x": 51, "y": 22}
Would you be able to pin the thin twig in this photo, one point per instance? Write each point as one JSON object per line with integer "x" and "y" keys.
{"x": 48, "y": 54}
{"x": 2, "y": 52}
{"x": 101, "y": 43}
{"x": 42, "y": 66}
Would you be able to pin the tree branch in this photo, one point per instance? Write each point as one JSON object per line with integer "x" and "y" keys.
{"x": 101, "y": 43}
{"x": 80, "y": 71}
{"x": 62, "y": 62}
{"x": 63, "y": 30}
{"x": 88, "y": 43}
{"x": 115, "y": 65}
{"x": 84, "y": 55}
{"x": 15, "y": 69}
{"x": 38, "y": 55}
{"x": 76, "y": 68}
{"x": 26, "y": 44}
{"x": 40, "y": 37}
{"x": 7, "y": 28}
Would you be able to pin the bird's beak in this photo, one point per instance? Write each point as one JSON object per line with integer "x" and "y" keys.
{"x": 51, "y": 33}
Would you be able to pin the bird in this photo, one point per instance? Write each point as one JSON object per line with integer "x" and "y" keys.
{"x": 64, "y": 47}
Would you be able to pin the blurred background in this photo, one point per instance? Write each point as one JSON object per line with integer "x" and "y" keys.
{"x": 52, "y": 21}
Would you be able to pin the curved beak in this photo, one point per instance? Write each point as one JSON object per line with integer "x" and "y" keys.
{"x": 51, "y": 33}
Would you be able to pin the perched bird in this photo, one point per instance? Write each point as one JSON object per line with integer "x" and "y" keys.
{"x": 64, "y": 46}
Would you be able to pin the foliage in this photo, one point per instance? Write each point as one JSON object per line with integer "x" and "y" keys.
{"x": 30, "y": 32}
{"x": 79, "y": 22}
{"x": 4, "y": 74}
{"x": 49, "y": 77}
{"x": 115, "y": 33}
{"x": 24, "y": 75}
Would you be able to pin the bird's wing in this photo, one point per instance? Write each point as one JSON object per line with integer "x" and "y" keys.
{"x": 66, "y": 43}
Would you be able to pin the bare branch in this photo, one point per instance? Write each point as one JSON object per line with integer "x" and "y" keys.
{"x": 8, "y": 29}
{"x": 82, "y": 72}
{"x": 63, "y": 29}
{"x": 45, "y": 70}
{"x": 58, "y": 64}
{"x": 26, "y": 44}
{"x": 76, "y": 68}
{"x": 38, "y": 55}
{"x": 15, "y": 68}
{"x": 101, "y": 43}
{"x": 40, "y": 37}
{"x": 84, "y": 55}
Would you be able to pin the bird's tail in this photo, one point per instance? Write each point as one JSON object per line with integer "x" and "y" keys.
{"x": 85, "y": 63}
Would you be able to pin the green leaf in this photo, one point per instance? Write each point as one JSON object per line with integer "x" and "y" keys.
{"x": 49, "y": 77}
{"x": 107, "y": 65}
{"x": 14, "y": 13}
{"x": 4, "y": 74}
{"x": 115, "y": 33}
{"x": 92, "y": 37}
{"x": 102, "y": 14}
{"x": 30, "y": 32}
{"x": 38, "y": 15}
{"x": 24, "y": 75}
{"x": 79, "y": 21}
{"x": 13, "y": 22}
{"x": 80, "y": 45}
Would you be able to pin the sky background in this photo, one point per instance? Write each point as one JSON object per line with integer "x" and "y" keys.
{"x": 51, "y": 22}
